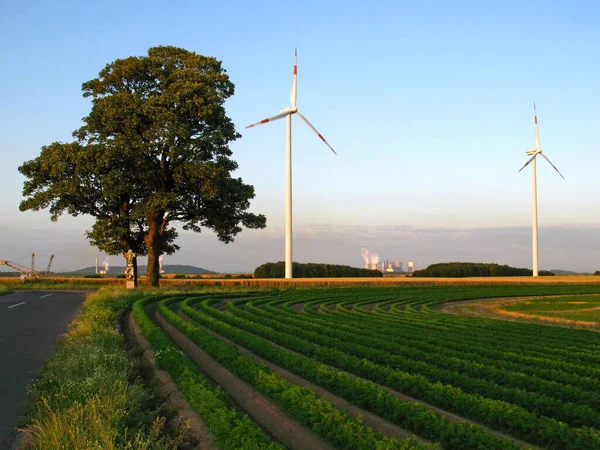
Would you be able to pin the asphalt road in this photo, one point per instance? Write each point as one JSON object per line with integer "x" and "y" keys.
{"x": 31, "y": 324}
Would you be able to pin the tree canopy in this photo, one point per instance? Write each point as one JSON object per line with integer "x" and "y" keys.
{"x": 313, "y": 270}
{"x": 153, "y": 151}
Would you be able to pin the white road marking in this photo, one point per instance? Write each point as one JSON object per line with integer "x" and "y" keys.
{"x": 18, "y": 304}
{"x": 47, "y": 295}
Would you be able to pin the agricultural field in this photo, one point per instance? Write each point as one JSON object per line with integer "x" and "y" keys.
{"x": 576, "y": 308}
{"x": 580, "y": 311}
{"x": 381, "y": 367}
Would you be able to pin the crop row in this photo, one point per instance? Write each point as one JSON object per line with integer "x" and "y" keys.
{"x": 319, "y": 414}
{"x": 511, "y": 418}
{"x": 532, "y": 393}
{"x": 230, "y": 429}
{"x": 412, "y": 416}
{"x": 522, "y": 338}
{"x": 582, "y": 374}
{"x": 466, "y": 357}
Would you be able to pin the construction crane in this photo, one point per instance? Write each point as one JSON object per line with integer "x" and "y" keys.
{"x": 49, "y": 264}
{"x": 26, "y": 271}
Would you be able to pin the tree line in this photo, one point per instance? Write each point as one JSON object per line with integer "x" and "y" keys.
{"x": 467, "y": 269}
{"x": 312, "y": 270}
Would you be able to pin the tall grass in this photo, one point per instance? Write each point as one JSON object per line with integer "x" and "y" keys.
{"x": 89, "y": 394}
{"x": 51, "y": 284}
{"x": 4, "y": 289}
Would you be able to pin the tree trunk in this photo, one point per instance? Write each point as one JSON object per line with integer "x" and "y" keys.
{"x": 135, "y": 272}
{"x": 154, "y": 220}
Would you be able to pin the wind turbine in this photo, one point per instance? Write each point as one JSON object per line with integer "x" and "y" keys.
{"x": 287, "y": 112}
{"x": 533, "y": 153}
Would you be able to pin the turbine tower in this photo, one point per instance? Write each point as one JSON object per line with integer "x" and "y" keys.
{"x": 287, "y": 113}
{"x": 533, "y": 153}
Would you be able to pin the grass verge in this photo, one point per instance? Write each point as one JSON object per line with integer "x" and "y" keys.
{"x": 47, "y": 285}
{"x": 89, "y": 394}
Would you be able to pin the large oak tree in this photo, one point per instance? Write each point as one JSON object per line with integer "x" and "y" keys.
{"x": 153, "y": 151}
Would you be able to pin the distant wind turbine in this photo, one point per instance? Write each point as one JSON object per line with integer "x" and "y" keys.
{"x": 287, "y": 112}
{"x": 533, "y": 153}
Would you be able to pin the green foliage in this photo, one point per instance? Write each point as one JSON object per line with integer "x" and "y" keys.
{"x": 154, "y": 150}
{"x": 467, "y": 269}
{"x": 597, "y": 272}
{"x": 313, "y": 270}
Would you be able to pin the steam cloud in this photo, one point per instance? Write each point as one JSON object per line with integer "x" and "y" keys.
{"x": 370, "y": 258}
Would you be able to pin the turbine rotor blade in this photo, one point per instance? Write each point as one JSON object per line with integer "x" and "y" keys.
{"x": 537, "y": 133}
{"x": 550, "y": 162}
{"x": 527, "y": 163}
{"x": 294, "y": 86}
{"x": 281, "y": 115}
{"x": 316, "y": 132}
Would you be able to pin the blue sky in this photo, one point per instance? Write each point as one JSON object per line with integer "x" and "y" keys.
{"x": 428, "y": 104}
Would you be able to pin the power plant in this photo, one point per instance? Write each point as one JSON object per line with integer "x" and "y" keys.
{"x": 373, "y": 262}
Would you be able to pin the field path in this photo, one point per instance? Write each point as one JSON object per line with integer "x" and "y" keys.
{"x": 31, "y": 325}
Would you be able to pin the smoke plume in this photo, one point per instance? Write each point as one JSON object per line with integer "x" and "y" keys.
{"x": 365, "y": 255}
{"x": 370, "y": 258}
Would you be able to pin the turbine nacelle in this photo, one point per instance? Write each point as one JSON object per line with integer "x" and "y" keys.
{"x": 534, "y": 151}
{"x": 289, "y": 110}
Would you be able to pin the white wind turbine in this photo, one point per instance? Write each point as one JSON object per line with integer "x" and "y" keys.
{"x": 287, "y": 112}
{"x": 533, "y": 153}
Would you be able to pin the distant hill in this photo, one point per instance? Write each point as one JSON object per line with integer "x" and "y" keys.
{"x": 567, "y": 272}
{"x": 117, "y": 270}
